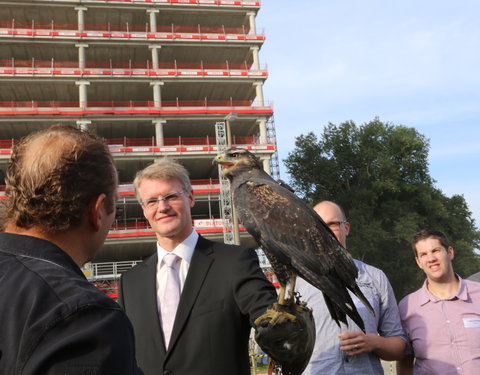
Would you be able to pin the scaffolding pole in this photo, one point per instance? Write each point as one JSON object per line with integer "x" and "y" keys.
{"x": 272, "y": 138}
{"x": 226, "y": 206}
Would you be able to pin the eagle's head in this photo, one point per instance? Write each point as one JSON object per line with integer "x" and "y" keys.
{"x": 236, "y": 161}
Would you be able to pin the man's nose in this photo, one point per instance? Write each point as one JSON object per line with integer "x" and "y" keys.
{"x": 162, "y": 205}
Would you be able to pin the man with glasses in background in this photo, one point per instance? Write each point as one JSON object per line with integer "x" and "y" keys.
{"x": 193, "y": 302}
{"x": 384, "y": 337}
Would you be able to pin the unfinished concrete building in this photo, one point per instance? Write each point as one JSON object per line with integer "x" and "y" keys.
{"x": 154, "y": 78}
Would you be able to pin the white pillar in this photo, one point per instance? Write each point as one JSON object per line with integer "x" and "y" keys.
{"x": 262, "y": 127}
{"x": 259, "y": 92}
{"x": 83, "y": 124}
{"x": 266, "y": 166}
{"x": 251, "y": 18}
{"x": 153, "y": 19}
{"x": 81, "y": 17}
{"x": 81, "y": 55}
{"x": 82, "y": 93}
{"x": 159, "y": 131}
{"x": 256, "y": 60}
{"x": 228, "y": 128}
{"x": 157, "y": 93}
{"x": 155, "y": 49}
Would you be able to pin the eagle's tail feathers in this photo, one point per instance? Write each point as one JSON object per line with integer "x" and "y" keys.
{"x": 335, "y": 312}
{"x": 356, "y": 290}
{"x": 344, "y": 306}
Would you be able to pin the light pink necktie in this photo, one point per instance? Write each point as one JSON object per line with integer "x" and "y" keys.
{"x": 169, "y": 303}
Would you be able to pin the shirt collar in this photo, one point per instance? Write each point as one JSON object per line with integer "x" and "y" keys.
{"x": 462, "y": 293}
{"x": 184, "y": 250}
{"x": 36, "y": 248}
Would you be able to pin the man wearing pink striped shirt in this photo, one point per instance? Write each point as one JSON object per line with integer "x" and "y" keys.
{"x": 441, "y": 319}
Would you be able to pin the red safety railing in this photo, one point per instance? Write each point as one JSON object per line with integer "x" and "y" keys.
{"x": 128, "y": 186}
{"x": 142, "y": 224}
{"x": 209, "y": 181}
{"x": 130, "y": 225}
{"x": 207, "y": 2}
{"x": 127, "y": 28}
{"x": 179, "y": 141}
{"x": 127, "y": 103}
{"x": 7, "y": 143}
{"x": 145, "y": 65}
{"x": 167, "y": 107}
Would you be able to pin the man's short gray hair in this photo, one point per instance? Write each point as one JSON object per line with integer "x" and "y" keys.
{"x": 163, "y": 169}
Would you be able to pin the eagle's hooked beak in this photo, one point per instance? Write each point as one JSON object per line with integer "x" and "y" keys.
{"x": 222, "y": 159}
{"x": 217, "y": 159}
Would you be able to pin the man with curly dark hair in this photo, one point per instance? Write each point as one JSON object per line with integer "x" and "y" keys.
{"x": 61, "y": 189}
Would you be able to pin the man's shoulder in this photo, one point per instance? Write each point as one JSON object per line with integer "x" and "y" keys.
{"x": 369, "y": 272}
{"x": 221, "y": 247}
{"x": 140, "y": 267}
{"x": 473, "y": 288}
{"x": 78, "y": 293}
{"x": 61, "y": 291}
{"x": 410, "y": 300}
{"x": 472, "y": 284}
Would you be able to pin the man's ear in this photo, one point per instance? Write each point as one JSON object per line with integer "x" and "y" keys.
{"x": 191, "y": 198}
{"x": 418, "y": 263}
{"x": 96, "y": 212}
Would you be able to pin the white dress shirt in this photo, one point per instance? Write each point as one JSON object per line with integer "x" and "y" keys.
{"x": 185, "y": 252}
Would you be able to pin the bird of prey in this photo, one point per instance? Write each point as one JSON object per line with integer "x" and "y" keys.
{"x": 294, "y": 238}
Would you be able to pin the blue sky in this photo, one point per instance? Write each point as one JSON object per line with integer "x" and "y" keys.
{"x": 412, "y": 63}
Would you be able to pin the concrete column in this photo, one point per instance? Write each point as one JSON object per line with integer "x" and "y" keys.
{"x": 83, "y": 124}
{"x": 251, "y": 19}
{"x": 259, "y": 92}
{"x": 155, "y": 49}
{"x": 159, "y": 131}
{"x": 228, "y": 128}
{"x": 235, "y": 224}
{"x": 153, "y": 19}
{"x": 157, "y": 93}
{"x": 81, "y": 17}
{"x": 266, "y": 166}
{"x": 81, "y": 55}
{"x": 256, "y": 59}
{"x": 82, "y": 91}
{"x": 262, "y": 127}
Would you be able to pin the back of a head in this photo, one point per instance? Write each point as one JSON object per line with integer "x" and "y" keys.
{"x": 54, "y": 176}
{"x": 328, "y": 209}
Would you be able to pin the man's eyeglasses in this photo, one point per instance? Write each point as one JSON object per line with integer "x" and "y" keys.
{"x": 336, "y": 224}
{"x": 170, "y": 199}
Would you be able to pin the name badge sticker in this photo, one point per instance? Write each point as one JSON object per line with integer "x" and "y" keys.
{"x": 471, "y": 322}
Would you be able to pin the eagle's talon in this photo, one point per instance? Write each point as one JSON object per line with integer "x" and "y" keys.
{"x": 275, "y": 316}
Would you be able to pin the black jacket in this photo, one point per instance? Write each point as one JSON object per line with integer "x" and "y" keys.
{"x": 52, "y": 320}
{"x": 225, "y": 290}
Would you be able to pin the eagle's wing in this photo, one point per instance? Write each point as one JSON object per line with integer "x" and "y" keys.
{"x": 295, "y": 235}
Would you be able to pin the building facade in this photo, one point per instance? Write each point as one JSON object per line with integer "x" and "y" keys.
{"x": 154, "y": 78}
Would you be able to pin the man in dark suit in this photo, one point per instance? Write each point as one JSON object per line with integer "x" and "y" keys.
{"x": 61, "y": 193}
{"x": 223, "y": 289}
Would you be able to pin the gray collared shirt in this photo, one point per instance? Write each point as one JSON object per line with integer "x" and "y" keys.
{"x": 327, "y": 358}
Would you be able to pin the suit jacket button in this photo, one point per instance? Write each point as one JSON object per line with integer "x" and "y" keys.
{"x": 167, "y": 372}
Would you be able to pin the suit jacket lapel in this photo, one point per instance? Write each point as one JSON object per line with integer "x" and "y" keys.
{"x": 201, "y": 262}
{"x": 149, "y": 284}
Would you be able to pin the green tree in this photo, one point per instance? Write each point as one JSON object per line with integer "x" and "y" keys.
{"x": 379, "y": 173}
